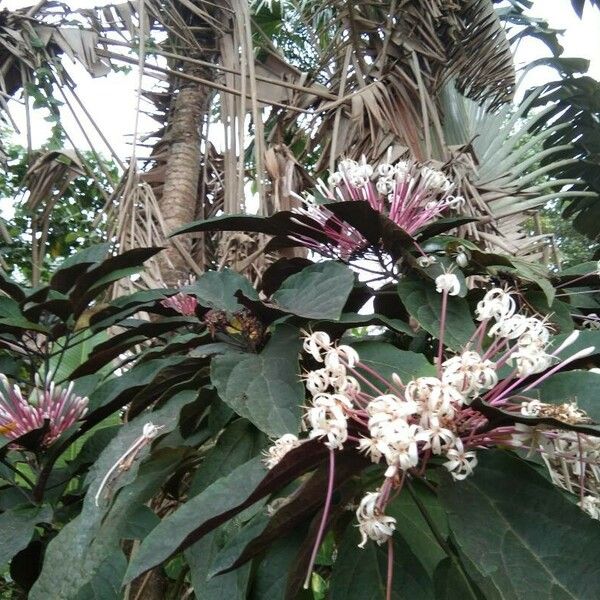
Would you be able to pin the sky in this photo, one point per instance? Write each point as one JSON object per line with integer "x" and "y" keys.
{"x": 112, "y": 101}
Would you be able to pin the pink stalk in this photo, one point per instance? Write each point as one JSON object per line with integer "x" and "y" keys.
{"x": 373, "y": 373}
{"x": 481, "y": 327}
{"x": 390, "y": 569}
{"x": 326, "y": 508}
{"x": 494, "y": 348}
{"x": 442, "y": 327}
{"x": 582, "y": 468}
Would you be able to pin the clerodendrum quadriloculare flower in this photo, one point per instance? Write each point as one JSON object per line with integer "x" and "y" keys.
{"x": 48, "y": 402}
{"x": 432, "y": 421}
{"x": 410, "y": 194}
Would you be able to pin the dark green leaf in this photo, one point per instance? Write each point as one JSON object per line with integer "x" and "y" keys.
{"x": 387, "y": 359}
{"x": 362, "y": 574}
{"x": 194, "y": 518}
{"x": 17, "y": 526}
{"x": 270, "y": 580}
{"x": 216, "y": 289}
{"x": 425, "y": 305}
{"x": 229, "y": 585}
{"x": 522, "y": 536}
{"x": 413, "y": 527}
{"x": 558, "y": 312}
{"x": 236, "y": 445}
{"x": 77, "y": 264}
{"x": 451, "y": 582}
{"x": 572, "y": 386}
{"x": 319, "y": 291}
{"x": 265, "y": 388}
{"x": 83, "y": 553}
{"x": 442, "y": 226}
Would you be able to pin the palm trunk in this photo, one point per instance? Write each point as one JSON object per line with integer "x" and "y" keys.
{"x": 179, "y": 198}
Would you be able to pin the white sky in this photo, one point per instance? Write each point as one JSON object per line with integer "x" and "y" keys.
{"x": 112, "y": 101}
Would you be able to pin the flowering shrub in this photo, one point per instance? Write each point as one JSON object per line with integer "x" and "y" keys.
{"x": 433, "y": 436}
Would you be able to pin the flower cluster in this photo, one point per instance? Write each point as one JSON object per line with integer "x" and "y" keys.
{"x": 184, "y": 304}
{"x": 434, "y": 420}
{"x": 409, "y": 194}
{"x": 59, "y": 406}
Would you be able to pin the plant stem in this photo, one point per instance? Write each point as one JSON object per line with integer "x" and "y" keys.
{"x": 390, "y": 569}
{"x": 442, "y": 327}
{"x": 326, "y": 508}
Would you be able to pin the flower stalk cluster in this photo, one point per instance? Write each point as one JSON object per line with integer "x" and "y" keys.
{"x": 434, "y": 420}
{"x": 409, "y": 194}
{"x": 48, "y": 402}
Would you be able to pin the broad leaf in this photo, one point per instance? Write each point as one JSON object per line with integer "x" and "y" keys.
{"x": 216, "y": 289}
{"x": 387, "y": 359}
{"x": 85, "y": 549}
{"x": 264, "y": 388}
{"x": 361, "y": 574}
{"x": 521, "y": 535}
{"x": 17, "y": 526}
{"x": 270, "y": 580}
{"x": 200, "y": 557}
{"x": 412, "y": 526}
{"x": 425, "y": 305}
{"x": 193, "y": 519}
{"x": 236, "y": 445}
{"x": 225, "y": 498}
{"x": 319, "y": 291}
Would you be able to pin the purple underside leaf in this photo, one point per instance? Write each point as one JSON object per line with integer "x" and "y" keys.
{"x": 221, "y": 501}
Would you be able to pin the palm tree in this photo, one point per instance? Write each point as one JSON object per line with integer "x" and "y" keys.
{"x": 295, "y": 86}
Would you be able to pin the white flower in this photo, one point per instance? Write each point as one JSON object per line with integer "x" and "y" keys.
{"x": 315, "y": 343}
{"x": 529, "y": 361}
{"x": 460, "y": 463}
{"x": 335, "y": 179}
{"x": 531, "y": 408}
{"x": 591, "y": 505}
{"x": 279, "y": 449}
{"x": 510, "y": 327}
{"x": 385, "y": 170}
{"x": 532, "y": 438}
{"x": 391, "y": 406}
{"x": 592, "y": 322}
{"x": 399, "y": 445}
{"x": 496, "y": 304}
{"x": 435, "y": 396}
{"x": 385, "y": 186}
{"x": 426, "y": 261}
{"x": 536, "y": 334}
{"x": 462, "y": 260}
{"x": 370, "y": 447}
{"x": 469, "y": 373}
{"x": 435, "y": 180}
{"x": 317, "y": 381}
{"x": 326, "y": 418}
{"x": 371, "y": 522}
{"x": 341, "y": 356}
{"x": 447, "y": 282}
{"x": 438, "y": 437}
{"x": 402, "y": 169}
